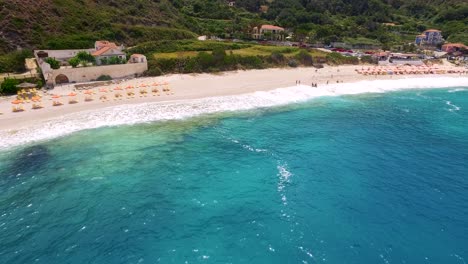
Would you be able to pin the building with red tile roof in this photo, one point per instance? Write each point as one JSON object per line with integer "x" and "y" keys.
{"x": 104, "y": 43}
{"x": 452, "y": 47}
{"x": 269, "y": 32}
{"x": 105, "y": 50}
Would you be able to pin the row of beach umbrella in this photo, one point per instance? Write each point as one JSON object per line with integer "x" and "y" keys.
{"x": 130, "y": 91}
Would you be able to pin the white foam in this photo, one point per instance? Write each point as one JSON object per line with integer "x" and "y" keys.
{"x": 454, "y": 107}
{"x": 457, "y": 90}
{"x": 284, "y": 175}
{"x": 150, "y": 112}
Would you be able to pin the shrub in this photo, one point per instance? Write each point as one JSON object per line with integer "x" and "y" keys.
{"x": 153, "y": 71}
{"x": 292, "y": 63}
{"x": 368, "y": 59}
{"x": 54, "y": 64}
{"x": 104, "y": 78}
{"x": 276, "y": 58}
{"x": 74, "y": 62}
{"x": 8, "y": 86}
{"x": 104, "y": 61}
{"x": 305, "y": 58}
{"x": 14, "y": 61}
{"x": 114, "y": 60}
{"x": 85, "y": 56}
{"x": 336, "y": 58}
{"x": 206, "y": 60}
{"x": 218, "y": 56}
{"x": 251, "y": 62}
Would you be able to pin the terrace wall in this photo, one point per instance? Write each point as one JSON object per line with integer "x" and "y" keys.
{"x": 86, "y": 74}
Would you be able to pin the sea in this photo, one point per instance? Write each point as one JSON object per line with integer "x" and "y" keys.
{"x": 370, "y": 172}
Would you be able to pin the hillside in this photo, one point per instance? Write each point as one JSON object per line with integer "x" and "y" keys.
{"x": 61, "y": 24}
{"x": 77, "y": 23}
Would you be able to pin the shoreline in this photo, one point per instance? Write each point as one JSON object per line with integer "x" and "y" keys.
{"x": 192, "y": 90}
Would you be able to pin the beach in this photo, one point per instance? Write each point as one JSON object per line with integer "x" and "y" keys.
{"x": 185, "y": 87}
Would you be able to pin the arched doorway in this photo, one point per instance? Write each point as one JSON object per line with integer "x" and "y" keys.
{"x": 61, "y": 78}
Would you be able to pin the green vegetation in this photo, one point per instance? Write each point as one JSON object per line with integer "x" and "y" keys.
{"x": 183, "y": 45}
{"x": 104, "y": 78}
{"x": 112, "y": 60}
{"x": 335, "y": 58}
{"x": 8, "y": 86}
{"x": 83, "y": 58}
{"x": 66, "y": 24}
{"x": 219, "y": 58}
{"x": 54, "y": 64}
{"x": 14, "y": 61}
{"x": 168, "y": 26}
{"x": 74, "y": 62}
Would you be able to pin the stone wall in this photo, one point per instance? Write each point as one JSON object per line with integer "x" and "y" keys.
{"x": 62, "y": 55}
{"x": 407, "y": 62}
{"x": 86, "y": 74}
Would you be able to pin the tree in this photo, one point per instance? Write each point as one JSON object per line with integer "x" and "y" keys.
{"x": 54, "y": 64}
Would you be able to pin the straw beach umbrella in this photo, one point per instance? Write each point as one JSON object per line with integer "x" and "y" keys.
{"x": 72, "y": 99}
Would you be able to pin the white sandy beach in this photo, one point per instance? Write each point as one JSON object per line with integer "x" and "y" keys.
{"x": 190, "y": 86}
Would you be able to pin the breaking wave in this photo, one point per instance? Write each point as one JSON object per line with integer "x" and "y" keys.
{"x": 157, "y": 111}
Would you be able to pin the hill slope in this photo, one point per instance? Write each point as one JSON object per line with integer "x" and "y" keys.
{"x": 77, "y": 23}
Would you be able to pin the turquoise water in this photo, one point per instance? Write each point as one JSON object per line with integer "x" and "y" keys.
{"x": 375, "y": 178}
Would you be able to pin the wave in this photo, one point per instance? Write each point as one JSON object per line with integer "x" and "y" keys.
{"x": 457, "y": 90}
{"x": 157, "y": 111}
{"x": 453, "y": 107}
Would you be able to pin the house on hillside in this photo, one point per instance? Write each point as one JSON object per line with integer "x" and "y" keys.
{"x": 106, "y": 51}
{"x": 430, "y": 37}
{"x": 268, "y": 32}
{"x": 453, "y": 47}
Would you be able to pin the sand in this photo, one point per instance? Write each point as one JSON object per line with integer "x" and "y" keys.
{"x": 184, "y": 87}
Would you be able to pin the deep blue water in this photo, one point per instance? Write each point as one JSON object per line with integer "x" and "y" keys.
{"x": 375, "y": 178}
